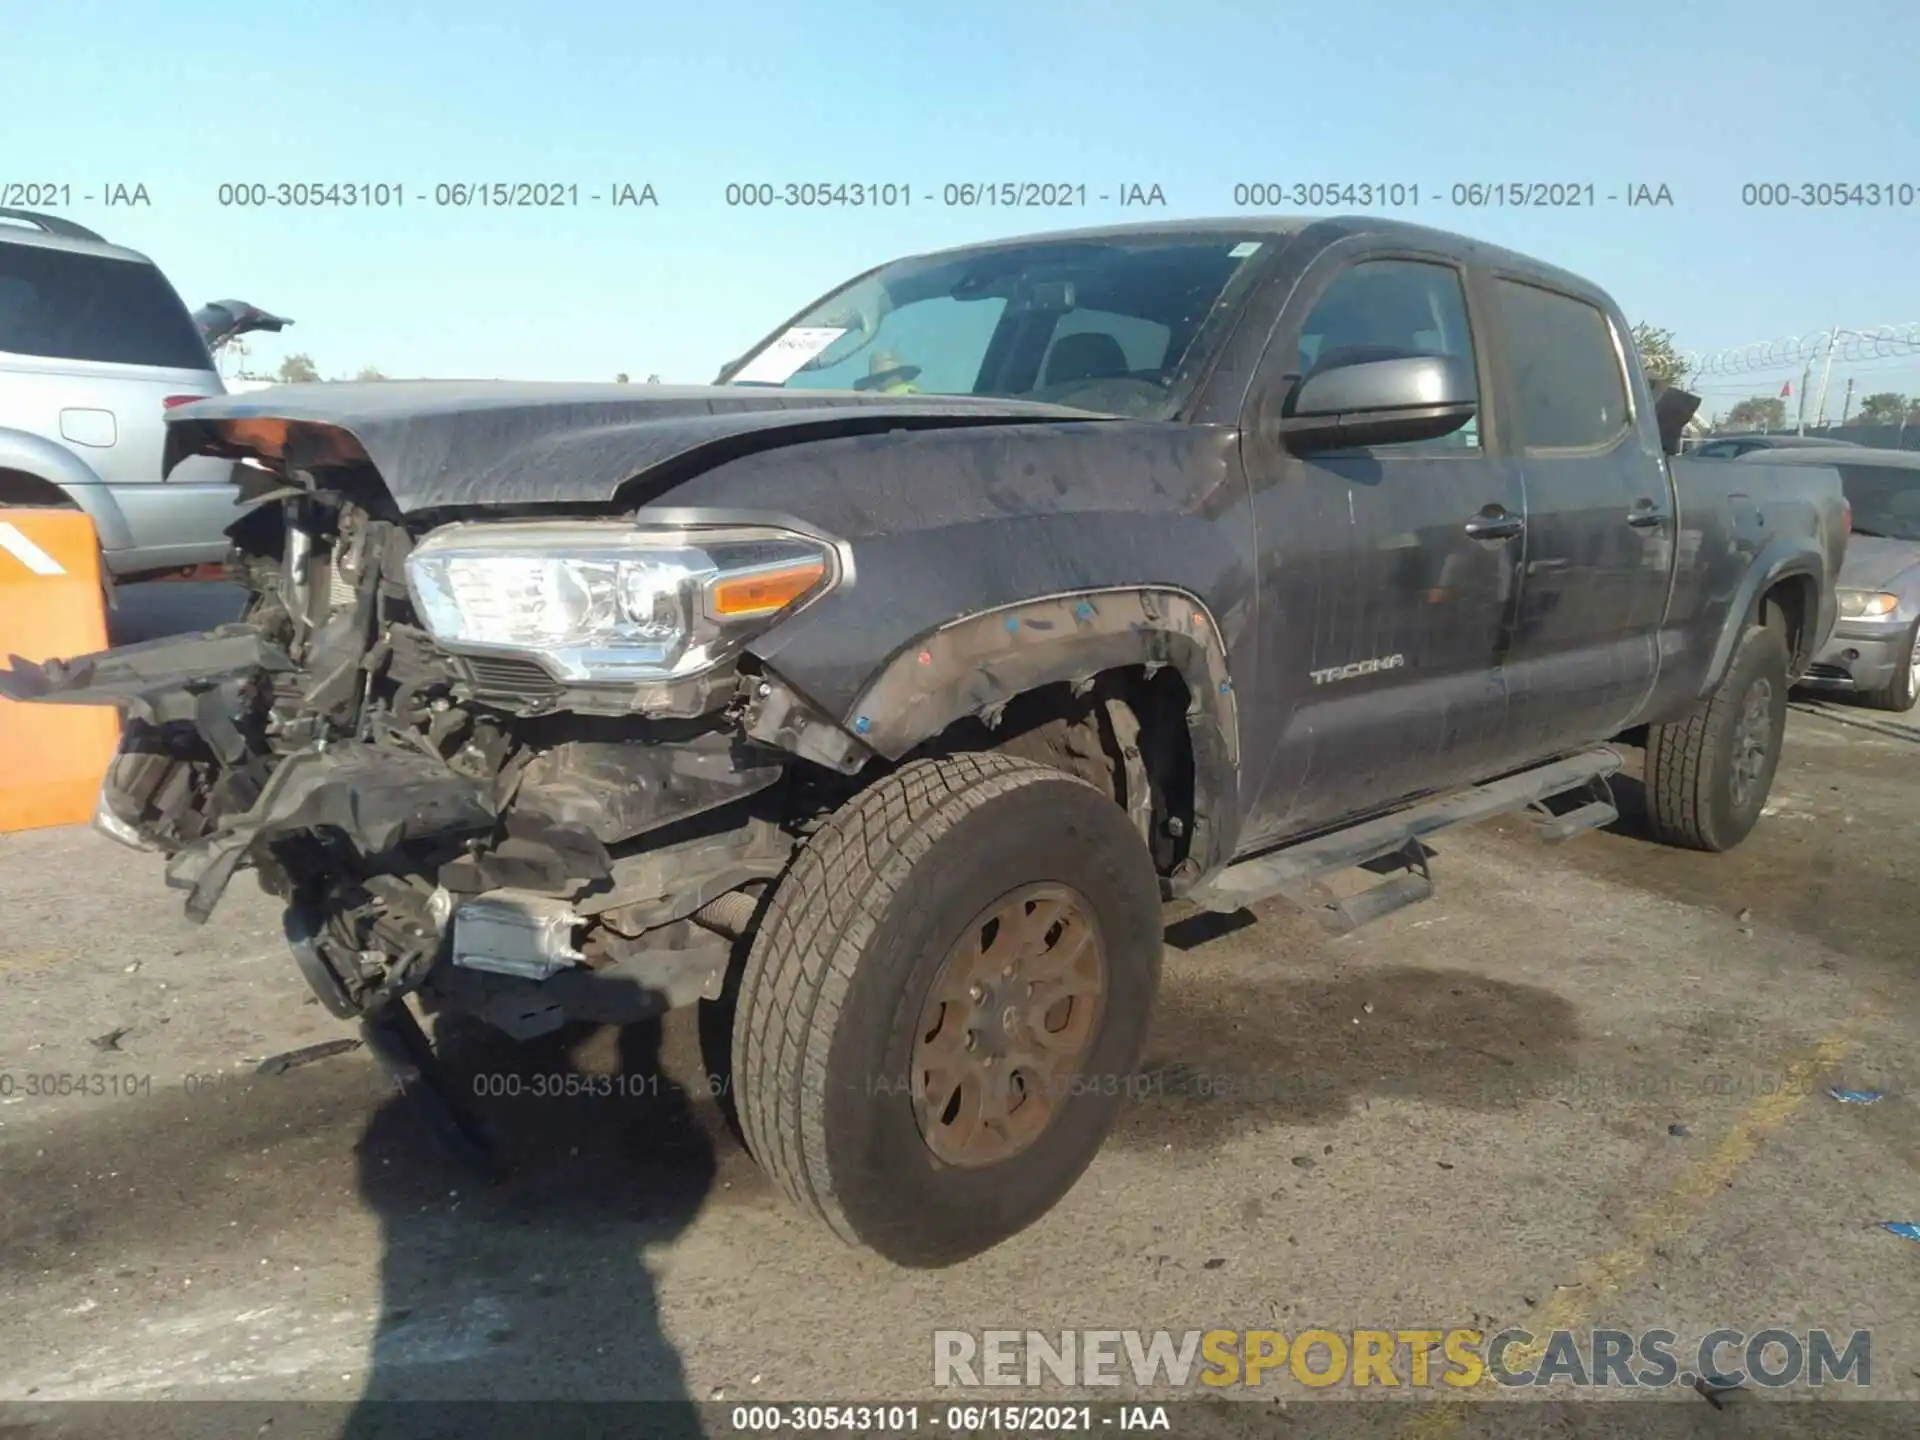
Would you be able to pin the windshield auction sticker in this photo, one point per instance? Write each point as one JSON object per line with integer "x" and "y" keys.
{"x": 777, "y": 363}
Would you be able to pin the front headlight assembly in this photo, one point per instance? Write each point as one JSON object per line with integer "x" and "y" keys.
{"x": 612, "y": 602}
{"x": 1867, "y": 604}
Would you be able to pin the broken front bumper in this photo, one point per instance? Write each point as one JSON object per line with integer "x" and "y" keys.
{"x": 577, "y": 878}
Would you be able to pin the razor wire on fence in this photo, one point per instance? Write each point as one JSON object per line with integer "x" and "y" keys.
{"x": 1841, "y": 344}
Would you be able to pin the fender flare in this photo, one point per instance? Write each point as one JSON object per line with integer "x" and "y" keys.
{"x": 976, "y": 663}
{"x": 1783, "y": 559}
{"x": 47, "y": 460}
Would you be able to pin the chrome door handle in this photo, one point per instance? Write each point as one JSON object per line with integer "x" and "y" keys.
{"x": 1494, "y": 523}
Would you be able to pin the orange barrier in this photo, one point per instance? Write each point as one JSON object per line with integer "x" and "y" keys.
{"x": 52, "y": 757}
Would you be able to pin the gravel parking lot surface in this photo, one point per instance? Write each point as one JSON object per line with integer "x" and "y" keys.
{"x": 1586, "y": 1085}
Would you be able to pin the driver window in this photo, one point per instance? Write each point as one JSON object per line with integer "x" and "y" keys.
{"x": 1385, "y": 309}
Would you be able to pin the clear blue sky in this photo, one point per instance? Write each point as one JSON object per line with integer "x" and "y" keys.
{"x": 1193, "y": 96}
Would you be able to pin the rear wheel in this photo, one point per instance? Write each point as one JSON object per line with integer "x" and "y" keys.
{"x": 944, "y": 1002}
{"x": 1901, "y": 692}
{"x": 1708, "y": 775}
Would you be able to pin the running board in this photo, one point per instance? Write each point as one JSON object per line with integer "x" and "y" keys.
{"x": 1597, "y": 812}
{"x": 1344, "y": 914}
{"x": 1292, "y": 870}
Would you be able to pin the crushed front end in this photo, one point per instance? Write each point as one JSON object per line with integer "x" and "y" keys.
{"x": 523, "y": 767}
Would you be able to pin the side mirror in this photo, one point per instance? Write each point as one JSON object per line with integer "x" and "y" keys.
{"x": 1379, "y": 402}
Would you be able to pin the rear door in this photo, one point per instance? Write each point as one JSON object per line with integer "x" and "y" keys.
{"x": 1388, "y": 574}
{"x": 1600, "y": 521}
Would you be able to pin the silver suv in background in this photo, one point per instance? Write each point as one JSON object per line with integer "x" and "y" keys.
{"x": 95, "y": 347}
{"x": 1874, "y": 652}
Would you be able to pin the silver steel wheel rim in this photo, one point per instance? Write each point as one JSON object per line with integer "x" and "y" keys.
{"x": 1913, "y": 666}
{"x": 1752, "y": 739}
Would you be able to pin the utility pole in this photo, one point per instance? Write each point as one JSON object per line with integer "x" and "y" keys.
{"x": 1826, "y": 374}
{"x": 1800, "y": 408}
{"x": 1846, "y": 405}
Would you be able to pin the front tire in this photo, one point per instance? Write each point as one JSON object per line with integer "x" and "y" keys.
{"x": 1708, "y": 775}
{"x": 1901, "y": 692}
{"x": 944, "y": 1003}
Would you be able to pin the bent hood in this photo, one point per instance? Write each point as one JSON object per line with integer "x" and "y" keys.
{"x": 445, "y": 443}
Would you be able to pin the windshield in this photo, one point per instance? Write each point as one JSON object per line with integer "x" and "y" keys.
{"x": 1885, "y": 500}
{"x": 65, "y": 305}
{"x": 1117, "y": 326}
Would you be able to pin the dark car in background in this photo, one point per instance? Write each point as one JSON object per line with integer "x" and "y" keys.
{"x": 1732, "y": 447}
{"x": 1875, "y": 649}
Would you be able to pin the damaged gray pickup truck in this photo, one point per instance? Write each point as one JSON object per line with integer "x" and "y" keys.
{"x": 885, "y": 689}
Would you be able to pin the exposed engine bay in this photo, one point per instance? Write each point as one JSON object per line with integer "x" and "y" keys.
{"x": 506, "y": 726}
{"x": 462, "y": 826}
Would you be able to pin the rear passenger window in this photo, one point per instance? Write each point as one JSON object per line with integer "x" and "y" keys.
{"x": 1121, "y": 345}
{"x": 1570, "y": 389}
{"x": 68, "y": 305}
{"x": 1385, "y": 309}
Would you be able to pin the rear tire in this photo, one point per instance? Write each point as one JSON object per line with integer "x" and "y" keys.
{"x": 1900, "y": 693}
{"x": 837, "y": 1095}
{"x": 1708, "y": 775}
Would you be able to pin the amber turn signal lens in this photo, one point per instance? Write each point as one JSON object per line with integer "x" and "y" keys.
{"x": 269, "y": 437}
{"x": 741, "y": 597}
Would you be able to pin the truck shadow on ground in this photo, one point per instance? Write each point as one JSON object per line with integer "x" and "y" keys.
{"x": 1230, "y": 1054}
{"x": 539, "y": 1287}
{"x": 536, "y": 1285}
{"x": 1803, "y": 869}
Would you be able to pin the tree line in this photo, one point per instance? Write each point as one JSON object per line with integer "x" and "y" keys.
{"x": 299, "y": 369}
{"x": 1769, "y": 412}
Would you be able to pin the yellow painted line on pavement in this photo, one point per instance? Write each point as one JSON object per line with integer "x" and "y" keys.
{"x": 1579, "y": 1303}
{"x": 20, "y": 962}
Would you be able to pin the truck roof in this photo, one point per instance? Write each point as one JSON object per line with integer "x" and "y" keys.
{"x": 1329, "y": 227}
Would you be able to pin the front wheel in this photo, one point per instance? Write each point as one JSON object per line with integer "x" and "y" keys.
{"x": 1708, "y": 775}
{"x": 945, "y": 1002}
{"x": 1901, "y": 692}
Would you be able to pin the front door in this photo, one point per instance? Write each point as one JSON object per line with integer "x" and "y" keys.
{"x": 1388, "y": 574}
